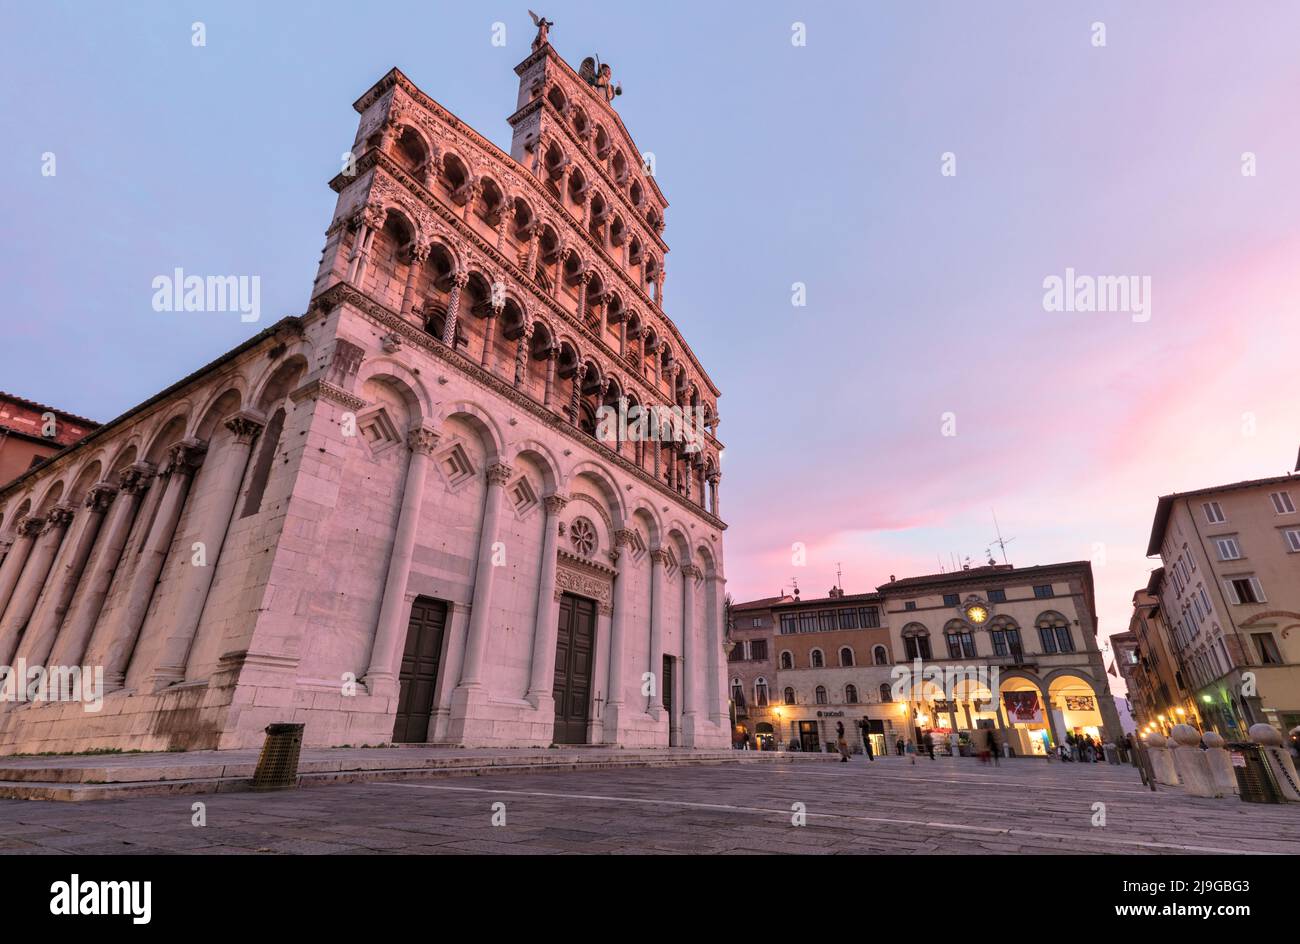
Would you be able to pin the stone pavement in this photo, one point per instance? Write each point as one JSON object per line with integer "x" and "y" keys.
{"x": 943, "y": 806}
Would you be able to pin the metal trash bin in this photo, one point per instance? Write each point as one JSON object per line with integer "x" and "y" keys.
{"x": 1254, "y": 777}
{"x": 277, "y": 767}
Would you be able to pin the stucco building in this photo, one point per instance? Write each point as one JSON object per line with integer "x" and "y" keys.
{"x": 399, "y": 516}
{"x": 1230, "y": 595}
{"x": 751, "y": 672}
{"x": 31, "y": 432}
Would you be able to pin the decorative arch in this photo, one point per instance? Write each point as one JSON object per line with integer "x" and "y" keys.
{"x": 400, "y": 377}
{"x": 482, "y": 421}
{"x": 605, "y": 484}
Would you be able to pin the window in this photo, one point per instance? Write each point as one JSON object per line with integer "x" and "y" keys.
{"x": 787, "y": 624}
{"x": 737, "y": 692}
{"x": 848, "y": 619}
{"x": 1006, "y": 641}
{"x": 787, "y": 660}
{"x": 909, "y": 605}
{"x": 1054, "y": 633}
{"x": 1282, "y": 503}
{"x": 1213, "y": 513}
{"x": 960, "y": 644}
{"x": 760, "y": 692}
{"x": 1044, "y": 592}
{"x": 886, "y": 693}
{"x": 1292, "y": 536}
{"x": 826, "y": 619}
{"x": 821, "y": 694}
{"x": 737, "y": 653}
{"x": 951, "y": 599}
{"x": 846, "y": 656}
{"x": 1244, "y": 590}
{"x": 757, "y": 622}
{"x": 818, "y": 660}
{"x": 807, "y": 622}
{"x": 789, "y": 696}
{"x": 997, "y": 596}
{"x": 758, "y": 650}
{"x": 1228, "y": 548}
{"x": 917, "y": 646}
{"x": 1048, "y": 638}
{"x": 880, "y": 656}
{"x": 850, "y": 694}
{"x": 869, "y": 617}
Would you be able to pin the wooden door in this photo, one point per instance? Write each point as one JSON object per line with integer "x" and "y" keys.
{"x": 575, "y": 644}
{"x": 419, "y": 675}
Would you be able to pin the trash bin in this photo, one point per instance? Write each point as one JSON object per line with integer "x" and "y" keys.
{"x": 1254, "y": 778}
{"x": 277, "y": 767}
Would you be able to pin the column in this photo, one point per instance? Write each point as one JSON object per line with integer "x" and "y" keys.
{"x": 416, "y": 255}
{"x": 507, "y": 215}
{"x": 575, "y": 395}
{"x": 1049, "y": 717}
{"x": 458, "y": 282}
{"x": 124, "y": 629}
{"x": 221, "y": 491}
{"x": 26, "y": 530}
{"x": 39, "y": 638}
{"x": 658, "y": 560}
{"x": 70, "y": 646}
{"x": 717, "y": 701}
{"x": 690, "y": 656}
{"x": 471, "y": 676}
{"x": 534, "y": 245}
{"x": 603, "y": 301}
{"x": 552, "y": 355}
{"x": 618, "y": 635}
{"x": 489, "y": 331}
{"x": 541, "y": 677}
{"x": 713, "y": 495}
{"x": 29, "y": 586}
{"x": 584, "y": 279}
{"x": 381, "y": 676}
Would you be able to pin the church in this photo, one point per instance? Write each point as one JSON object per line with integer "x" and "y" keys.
{"x": 401, "y": 517}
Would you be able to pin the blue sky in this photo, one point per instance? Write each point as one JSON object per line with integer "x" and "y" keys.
{"x": 818, "y": 164}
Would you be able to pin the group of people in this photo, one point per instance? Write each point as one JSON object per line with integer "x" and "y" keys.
{"x": 1080, "y": 748}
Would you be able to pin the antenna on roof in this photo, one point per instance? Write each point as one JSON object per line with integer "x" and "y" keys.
{"x": 1000, "y": 542}
{"x": 795, "y": 582}
{"x": 839, "y": 576}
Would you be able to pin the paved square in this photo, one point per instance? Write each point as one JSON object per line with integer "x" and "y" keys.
{"x": 942, "y": 806}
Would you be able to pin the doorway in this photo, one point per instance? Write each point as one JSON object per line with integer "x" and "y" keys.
{"x": 574, "y": 645}
{"x": 419, "y": 676}
{"x": 809, "y": 737}
{"x": 668, "y": 683}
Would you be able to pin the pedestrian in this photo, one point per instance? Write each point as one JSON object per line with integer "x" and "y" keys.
{"x": 929, "y": 744}
{"x": 995, "y": 751}
{"x": 866, "y": 745}
{"x": 911, "y": 751}
{"x": 841, "y": 742}
{"x": 898, "y": 746}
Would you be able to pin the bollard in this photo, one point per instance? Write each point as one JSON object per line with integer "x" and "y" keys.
{"x": 1277, "y": 759}
{"x": 1190, "y": 762}
{"x": 1162, "y": 765}
{"x": 277, "y": 767}
{"x": 1219, "y": 761}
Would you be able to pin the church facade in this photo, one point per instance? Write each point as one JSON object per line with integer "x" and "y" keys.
{"x": 469, "y": 497}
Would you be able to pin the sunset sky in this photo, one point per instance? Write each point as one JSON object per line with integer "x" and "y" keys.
{"x": 782, "y": 164}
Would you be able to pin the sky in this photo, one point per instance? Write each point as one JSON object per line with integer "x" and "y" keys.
{"x": 924, "y": 385}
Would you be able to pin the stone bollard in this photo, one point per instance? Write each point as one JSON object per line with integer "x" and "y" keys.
{"x": 1189, "y": 760}
{"x": 1162, "y": 765}
{"x": 1111, "y": 752}
{"x": 1222, "y": 776}
{"x": 1278, "y": 759}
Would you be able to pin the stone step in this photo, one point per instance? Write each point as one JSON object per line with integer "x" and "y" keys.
{"x": 72, "y": 784}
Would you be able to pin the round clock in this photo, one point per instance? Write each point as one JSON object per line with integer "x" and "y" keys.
{"x": 977, "y": 613}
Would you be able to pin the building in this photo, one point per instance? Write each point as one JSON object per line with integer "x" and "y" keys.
{"x": 751, "y": 673}
{"x": 31, "y": 432}
{"x": 834, "y": 659}
{"x": 1150, "y": 666}
{"x": 1018, "y": 652}
{"x": 1230, "y": 595}
{"x": 404, "y": 515}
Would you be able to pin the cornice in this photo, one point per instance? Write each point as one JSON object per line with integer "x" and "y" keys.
{"x": 343, "y": 293}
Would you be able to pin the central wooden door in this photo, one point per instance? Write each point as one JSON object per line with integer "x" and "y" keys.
{"x": 669, "y": 684}
{"x": 574, "y": 645}
{"x": 419, "y": 676}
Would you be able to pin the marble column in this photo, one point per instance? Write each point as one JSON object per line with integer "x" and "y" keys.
{"x": 28, "y": 589}
{"x": 458, "y": 282}
{"x": 70, "y": 646}
{"x": 26, "y": 530}
{"x": 416, "y": 254}
{"x": 690, "y": 656}
{"x": 489, "y": 332}
{"x": 552, "y": 355}
{"x": 584, "y": 280}
{"x": 618, "y": 636}
{"x": 394, "y": 611}
{"x": 128, "y": 619}
{"x": 40, "y": 636}
{"x": 717, "y": 702}
{"x": 521, "y": 353}
{"x": 225, "y": 475}
{"x": 658, "y": 603}
{"x": 471, "y": 676}
{"x": 541, "y": 676}
{"x": 575, "y": 394}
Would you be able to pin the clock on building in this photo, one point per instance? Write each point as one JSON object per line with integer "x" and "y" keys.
{"x": 976, "y": 612}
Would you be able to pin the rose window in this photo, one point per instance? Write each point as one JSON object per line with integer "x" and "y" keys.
{"x": 583, "y": 537}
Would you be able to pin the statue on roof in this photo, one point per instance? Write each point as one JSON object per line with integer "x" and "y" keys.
{"x": 543, "y": 28}
{"x": 598, "y": 76}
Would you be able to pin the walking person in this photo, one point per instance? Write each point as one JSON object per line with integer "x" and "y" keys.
{"x": 841, "y": 742}
{"x": 929, "y": 744}
{"x": 866, "y": 745}
{"x": 911, "y": 751}
{"x": 898, "y": 746}
{"x": 995, "y": 749}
